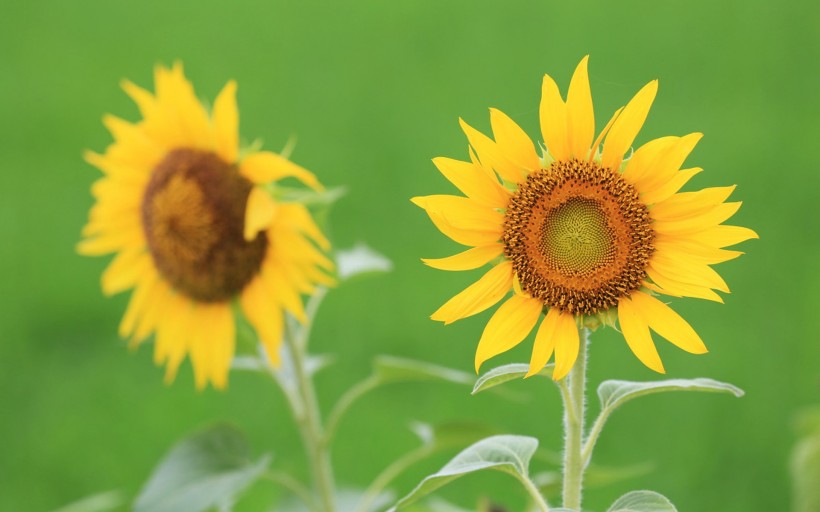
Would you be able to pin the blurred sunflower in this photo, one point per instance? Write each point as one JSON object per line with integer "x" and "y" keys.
{"x": 193, "y": 226}
{"x": 579, "y": 231}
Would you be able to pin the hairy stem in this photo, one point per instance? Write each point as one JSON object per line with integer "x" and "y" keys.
{"x": 574, "y": 403}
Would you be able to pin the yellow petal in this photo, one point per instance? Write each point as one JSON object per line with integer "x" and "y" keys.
{"x": 627, "y": 126}
{"x": 645, "y": 158}
{"x": 176, "y": 94}
{"x": 508, "y": 326}
{"x": 173, "y": 335}
{"x": 705, "y": 221}
{"x": 298, "y": 218}
{"x": 686, "y": 204}
{"x": 259, "y": 212}
{"x": 678, "y": 289}
{"x": 513, "y": 141}
{"x": 544, "y": 343}
{"x": 594, "y": 151}
{"x": 490, "y": 155}
{"x": 471, "y": 179}
{"x": 688, "y": 271}
{"x": 666, "y": 190}
{"x": 226, "y": 123}
{"x": 264, "y": 166}
{"x": 479, "y": 296}
{"x": 462, "y": 212}
{"x": 264, "y": 314}
{"x": 483, "y": 229}
{"x": 553, "y": 114}
{"x": 136, "y": 306}
{"x": 467, "y": 260}
{"x": 664, "y": 321}
{"x": 125, "y": 271}
{"x": 212, "y": 344}
{"x": 724, "y": 236}
{"x": 636, "y": 334}
{"x": 580, "y": 116}
{"x": 567, "y": 344}
{"x": 687, "y": 249}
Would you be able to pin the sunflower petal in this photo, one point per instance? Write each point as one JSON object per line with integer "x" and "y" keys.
{"x": 473, "y": 181}
{"x": 544, "y": 344}
{"x": 467, "y": 260}
{"x": 259, "y": 213}
{"x": 490, "y": 154}
{"x": 664, "y": 321}
{"x": 627, "y": 126}
{"x": 513, "y": 141}
{"x": 553, "y": 114}
{"x": 265, "y": 166}
{"x": 508, "y": 326}
{"x": 567, "y": 344}
{"x": 580, "y": 116}
{"x": 226, "y": 123}
{"x": 477, "y": 297}
{"x": 636, "y": 334}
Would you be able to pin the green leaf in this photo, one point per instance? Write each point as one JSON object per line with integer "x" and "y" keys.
{"x": 614, "y": 393}
{"x": 102, "y": 502}
{"x": 805, "y": 463}
{"x": 506, "y": 373}
{"x": 360, "y": 259}
{"x": 210, "y": 468}
{"x": 642, "y": 501}
{"x": 509, "y": 454}
{"x": 390, "y": 369}
{"x": 305, "y": 196}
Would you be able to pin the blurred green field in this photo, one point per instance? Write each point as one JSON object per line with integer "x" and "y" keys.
{"x": 373, "y": 90}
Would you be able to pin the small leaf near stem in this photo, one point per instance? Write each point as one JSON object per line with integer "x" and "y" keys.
{"x": 614, "y": 393}
{"x": 506, "y": 373}
{"x": 642, "y": 501}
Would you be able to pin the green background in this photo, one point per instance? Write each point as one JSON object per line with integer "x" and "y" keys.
{"x": 373, "y": 90}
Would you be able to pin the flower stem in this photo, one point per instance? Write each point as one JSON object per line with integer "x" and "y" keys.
{"x": 310, "y": 425}
{"x": 574, "y": 427}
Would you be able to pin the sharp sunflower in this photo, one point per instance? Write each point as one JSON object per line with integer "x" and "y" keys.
{"x": 193, "y": 229}
{"x": 580, "y": 231}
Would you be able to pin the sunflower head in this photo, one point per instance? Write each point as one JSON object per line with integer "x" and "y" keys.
{"x": 579, "y": 234}
{"x": 195, "y": 229}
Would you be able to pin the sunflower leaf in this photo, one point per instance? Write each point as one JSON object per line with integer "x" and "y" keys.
{"x": 506, "y": 373}
{"x": 642, "y": 501}
{"x": 614, "y": 393}
{"x": 208, "y": 469}
{"x": 102, "y": 502}
{"x": 360, "y": 259}
{"x": 508, "y": 454}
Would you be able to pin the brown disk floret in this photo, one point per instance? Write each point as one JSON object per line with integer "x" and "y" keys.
{"x": 193, "y": 214}
{"x": 578, "y": 237}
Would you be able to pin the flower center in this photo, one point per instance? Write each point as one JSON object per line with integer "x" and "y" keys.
{"x": 578, "y": 237}
{"x": 193, "y": 214}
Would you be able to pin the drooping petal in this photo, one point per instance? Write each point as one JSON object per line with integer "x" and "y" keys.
{"x": 553, "y": 114}
{"x": 544, "y": 344}
{"x": 508, "y": 326}
{"x": 125, "y": 271}
{"x": 513, "y": 141}
{"x": 636, "y": 334}
{"x": 479, "y": 296}
{"x": 226, "y": 123}
{"x": 259, "y": 212}
{"x": 213, "y": 344}
{"x": 265, "y": 166}
{"x": 264, "y": 314}
{"x": 663, "y": 320}
{"x": 580, "y": 116}
{"x": 627, "y": 126}
{"x": 467, "y": 260}
{"x": 567, "y": 344}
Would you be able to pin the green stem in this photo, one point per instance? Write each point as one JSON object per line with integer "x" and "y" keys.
{"x": 381, "y": 482}
{"x": 574, "y": 427}
{"x": 291, "y": 484}
{"x": 344, "y": 403}
{"x": 535, "y": 494}
{"x": 592, "y": 438}
{"x": 310, "y": 423}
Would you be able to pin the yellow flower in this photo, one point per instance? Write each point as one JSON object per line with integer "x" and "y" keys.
{"x": 193, "y": 228}
{"x": 581, "y": 231}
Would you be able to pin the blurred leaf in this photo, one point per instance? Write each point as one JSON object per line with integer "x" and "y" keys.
{"x": 396, "y": 369}
{"x": 346, "y": 500}
{"x": 210, "y": 468}
{"x": 506, "y": 373}
{"x": 614, "y": 393}
{"x": 805, "y": 463}
{"x": 102, "y": 502}
{"x": 360, "y": 259}
{"x": 642, "y": 501}
{"x": 509, "y": 454}
{"x": 306, "y": 196}
{"x": 455, "y": 433}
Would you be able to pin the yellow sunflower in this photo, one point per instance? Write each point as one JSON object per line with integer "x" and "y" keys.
{"x": 581, "y": 231}
{"x": 193, "y": 226}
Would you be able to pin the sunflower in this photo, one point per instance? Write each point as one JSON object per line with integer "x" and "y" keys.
{"x": 581, "y": 234}
{"x": 195, "y": 229}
